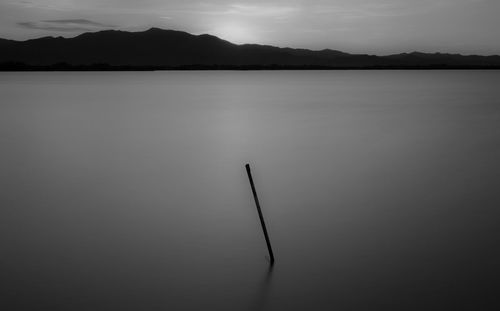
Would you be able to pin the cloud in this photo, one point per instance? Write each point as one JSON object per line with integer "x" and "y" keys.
{"x": 52, "y": 5}
{"x": 240, "y": 10}
{"x": 382, "y": 8}
{"x": 65, "y": 25}
{"x": 261, "y": 10}
{"x": 77, "y": 22}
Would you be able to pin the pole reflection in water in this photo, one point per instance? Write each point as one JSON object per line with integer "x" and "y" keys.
{"x": 262, "y": 292}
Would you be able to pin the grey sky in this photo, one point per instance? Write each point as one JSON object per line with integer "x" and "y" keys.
{"x": 361, "y": 26}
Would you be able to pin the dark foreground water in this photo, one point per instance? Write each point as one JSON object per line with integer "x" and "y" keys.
{"x": 127, "y": 191}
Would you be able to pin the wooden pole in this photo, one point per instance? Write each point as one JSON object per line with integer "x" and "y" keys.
{"x": 268, "y": 242}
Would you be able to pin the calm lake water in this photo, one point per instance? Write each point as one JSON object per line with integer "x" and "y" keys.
{"x": 127, "y": 191}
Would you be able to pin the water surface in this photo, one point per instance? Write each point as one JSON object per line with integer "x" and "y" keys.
{"x": 127, "y": 191}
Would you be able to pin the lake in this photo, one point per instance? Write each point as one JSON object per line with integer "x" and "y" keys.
{"x": 128, "y": 191}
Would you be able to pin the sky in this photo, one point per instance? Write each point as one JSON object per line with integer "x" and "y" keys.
{"x": 357, "y": 26}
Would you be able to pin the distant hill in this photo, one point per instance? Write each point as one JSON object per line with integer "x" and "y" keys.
{"x": 169, "y": 49}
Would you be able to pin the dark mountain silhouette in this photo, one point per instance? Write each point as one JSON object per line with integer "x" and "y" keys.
{"x": 168, "y": 49}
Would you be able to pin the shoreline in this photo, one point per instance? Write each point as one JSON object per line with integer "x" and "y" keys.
{"x": 10, "y": 67}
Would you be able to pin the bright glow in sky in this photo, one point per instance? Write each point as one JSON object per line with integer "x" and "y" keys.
{"x": 360, "y": 26}
{"x": 235, "y": 32}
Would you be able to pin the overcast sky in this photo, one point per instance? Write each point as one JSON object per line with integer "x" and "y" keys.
{"x": 360, "y": 26}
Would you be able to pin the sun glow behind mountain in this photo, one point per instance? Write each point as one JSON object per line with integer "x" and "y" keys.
{"x": 235, "y": 33}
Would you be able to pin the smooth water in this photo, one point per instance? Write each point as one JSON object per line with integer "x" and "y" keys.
{"x": 127, "y": 191}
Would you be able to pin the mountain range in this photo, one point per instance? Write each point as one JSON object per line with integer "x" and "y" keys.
{"x": 169, "y": 49}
